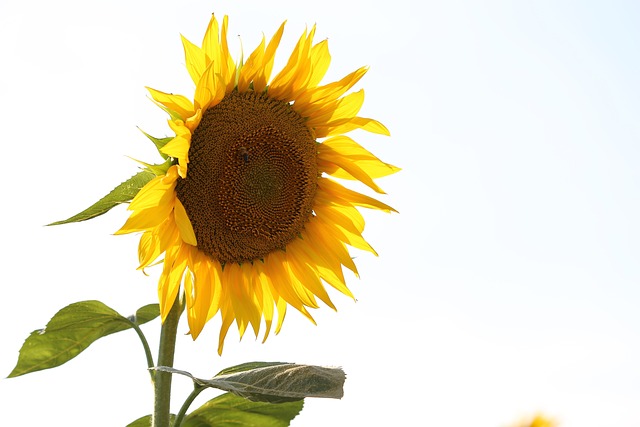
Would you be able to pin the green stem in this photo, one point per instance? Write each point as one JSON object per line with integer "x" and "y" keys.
{"x": 145, "y": 344}
{"x": 183, "y": 411}
{"x": 162, "y": 380}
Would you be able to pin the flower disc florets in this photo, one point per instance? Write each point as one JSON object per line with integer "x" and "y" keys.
{"x": 252, "y": 177}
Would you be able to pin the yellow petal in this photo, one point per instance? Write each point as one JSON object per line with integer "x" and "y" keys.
{"x": 250, "y": 294}
{"x": 178, "y": 147}
{"x": 155, "y": 242}
{"x": 210, "y": 90}
{"x": 329, "y": 245}
{"x": 349, "y": 211}
{"x": 347, "y": 236}
{"x": 353, "y": 197}
{"x": 251, "y": 67}
{"x": 192, "y": 122}
{"x": 281, "y": 305}
{"x": 211, "y": 42}
{"x": 215, "y": 272}
{"x": 146, "y": 219}
{"x": 348, "y": 147}
{"x": 202, "y": 293}
{"x": 370, "y": 125}
{"x": 227, "y": 66}
{"x": 327, "y": 265}
{"x": 148, "y": 249}
{"x": 184, "y": 224}
{"x": 153, "y": 194}
{"x": 267, "y": 298}
{"x": 282, "y": 85}
{"x": 353, "y": 151}
{"x": 320, "y": 60}
{"x": 338, "y": 112}
{"x": 216, "y": 52}
{"x": 351, "y": 167}
{"x": 264, "y": 73}
{"x": 278, "y": 273}
{"x": 352, "y": 223}
{"x": 301, "y": 76}
{"x": 304, "y": 271}
{"x": 300, "y": 83}
{"x": 317, "y": 98}
{"x": 194, "y": 58}
{"x": 242, "y": 298}
{"x": 176, "y": 103}
{"x": 189, "y": 291}
{"x": 227, "y": 320}
{"x": 174, "y": 265}
{"x": 373, "y": 168}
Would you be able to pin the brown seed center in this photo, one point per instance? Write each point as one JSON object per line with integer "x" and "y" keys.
{"x": 252, "y": 177}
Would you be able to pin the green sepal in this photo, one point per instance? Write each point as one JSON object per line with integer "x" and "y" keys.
{"x": 274, "y": 382}
{"x": 71, "y": 330}
{"x": 146, "y": 421}
{"x": 174, "y": 115}
{"x": 158, "y": 168}
{"x": 229, "y": 410}
{"x": 158, "y": 142}
{"x": 123, "y": 193}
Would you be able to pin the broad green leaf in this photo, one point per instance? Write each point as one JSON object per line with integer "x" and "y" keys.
{"x": 71, "y": 331}
{"x": 247, "y": 366}
{"x": 275, "y": 382}
{"x": 229, "y": 410}
{"x": 146, "y": 421}
{"x": 123, "y": 193}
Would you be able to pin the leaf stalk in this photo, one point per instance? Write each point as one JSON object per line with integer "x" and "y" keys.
{"x": 185, "y": 406}
{"x": 147, "y": 349}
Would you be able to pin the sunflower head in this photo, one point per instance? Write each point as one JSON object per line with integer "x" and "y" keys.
{"x": 538, "y": 420}
{"x": 245, "y": 210}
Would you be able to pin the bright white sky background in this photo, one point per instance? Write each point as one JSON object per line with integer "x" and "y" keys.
{"x": 508, "y": 284}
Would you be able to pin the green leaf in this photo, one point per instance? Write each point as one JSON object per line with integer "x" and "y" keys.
{"x": 156, "y": 169}
{"x": 145, "y": 314}
{"x": 158, "y": 142}
{"x": 146, "y": 421}
{"x": 71, "y": 331}
{"x": 274, "y": 382}
{"x": 123, "y": 193}
{"x": 229, "y": 410}
{"x": 247, "y": 366}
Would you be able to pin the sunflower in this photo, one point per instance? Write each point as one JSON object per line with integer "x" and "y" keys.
{"x": 244, "y": 210}
{"x": 537, "y": 421}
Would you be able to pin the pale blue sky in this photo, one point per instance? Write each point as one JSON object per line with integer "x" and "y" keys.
{"x": 508, "y": 284}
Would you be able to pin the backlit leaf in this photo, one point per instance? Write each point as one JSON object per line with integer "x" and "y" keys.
{"x": 146, "y": 421}
{"x": 275, "y": 382}
{"x": 71, "y": 331}
{"x": 145, "y": 314}
{"x": 123, "y": 193}
{"x": 229, "y": 410}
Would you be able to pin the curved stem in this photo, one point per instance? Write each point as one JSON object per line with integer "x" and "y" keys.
{"x": 183, "y": 410}
{"x": 162, "y": 380}
{"x": 147, "y": 349}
